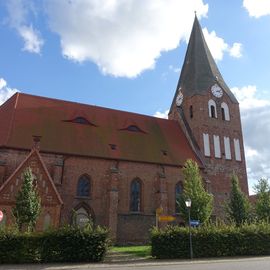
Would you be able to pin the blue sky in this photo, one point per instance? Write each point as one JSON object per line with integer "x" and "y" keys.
{"x": 127, "y": 55}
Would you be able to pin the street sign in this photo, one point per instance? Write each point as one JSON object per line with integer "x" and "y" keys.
{"x": 166, "y": 218}
{"x": 1, "y": 215}
{"x": 194, "y": 223}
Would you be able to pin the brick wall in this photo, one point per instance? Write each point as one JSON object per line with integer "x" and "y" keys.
{"x": 109, "y": 201}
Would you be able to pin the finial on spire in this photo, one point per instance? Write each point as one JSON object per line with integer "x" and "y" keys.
{"x": 195, "y": 13}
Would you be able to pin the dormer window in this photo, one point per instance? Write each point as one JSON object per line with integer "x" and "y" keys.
{"x": 80, "y": 120}
{"x": 112, "y": 146}
{"x": 164, "y": 152}
{"x": 133, "y": 128}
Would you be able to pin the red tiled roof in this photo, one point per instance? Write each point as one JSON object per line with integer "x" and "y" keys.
{"x": 157, "y": 141}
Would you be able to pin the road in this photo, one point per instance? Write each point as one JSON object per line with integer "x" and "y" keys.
{"x": 259, "y": 263}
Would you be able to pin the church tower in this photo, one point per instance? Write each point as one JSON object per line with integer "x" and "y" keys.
{"x": 208, "y": 112}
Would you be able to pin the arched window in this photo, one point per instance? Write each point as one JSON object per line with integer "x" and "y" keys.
{"x": 212, "y": 108}
{"x": 83, "y": 187}
{"x": 135, "y": 195}
{"x": 178, "y": 193}
{"x": 225, "y": 111}
{"x": 47, "y": 222}
{"x": 191, "y": 111}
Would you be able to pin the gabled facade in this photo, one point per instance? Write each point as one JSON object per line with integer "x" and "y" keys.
{"x": 116, "y": 168}
{"x": 51, "y": 201}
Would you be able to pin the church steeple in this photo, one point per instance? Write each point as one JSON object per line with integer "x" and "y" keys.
{"x": 199, "y": 71}
{"x": 208, "y": 113}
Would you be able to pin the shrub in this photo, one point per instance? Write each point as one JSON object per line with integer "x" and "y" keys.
{"x": 211, "y": 241}
{"x": 66, "y": 244}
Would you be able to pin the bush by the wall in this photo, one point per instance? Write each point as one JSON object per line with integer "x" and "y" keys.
{"x": 74, "y": 245}
{"x": 211, "y": 241}
{"x": 63, "y": 245}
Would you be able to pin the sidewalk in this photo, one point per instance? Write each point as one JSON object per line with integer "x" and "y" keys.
{"x": 125, "y": 264}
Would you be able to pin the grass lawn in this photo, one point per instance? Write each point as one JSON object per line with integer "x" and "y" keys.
{"x": 139, "y": 251}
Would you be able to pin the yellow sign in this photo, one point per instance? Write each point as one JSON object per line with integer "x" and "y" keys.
{"x": 166, "y": 218}
{"x": 159, "y": 210}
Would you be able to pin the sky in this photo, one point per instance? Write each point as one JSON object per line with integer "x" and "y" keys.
{"x": 128, "y": 54}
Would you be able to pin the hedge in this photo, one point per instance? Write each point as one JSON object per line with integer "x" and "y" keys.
{"x": 211, "y": 241}
{"x": 63, "y": 245}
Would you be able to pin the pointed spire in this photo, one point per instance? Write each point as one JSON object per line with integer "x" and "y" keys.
{"x": 199, "y": 71}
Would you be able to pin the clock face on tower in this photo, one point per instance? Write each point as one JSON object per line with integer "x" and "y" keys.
{"x": 217, "y": 91}
{"x": 179, "y": 99}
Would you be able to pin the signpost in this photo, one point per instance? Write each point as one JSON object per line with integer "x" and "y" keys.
{"x": 159, "y": 211}
{"x": 166, "y": 218}
{"x": 194, "y": 223}
{"x": 1, "y": 215}
{"x": 162, "y": 218}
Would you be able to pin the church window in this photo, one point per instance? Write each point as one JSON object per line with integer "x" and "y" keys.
{"x": 191, "y": 111}
{"x": 227, "y": 148}
{"x": 212, "y": 108}
{"x": 135, "y": 195}
{"x": 225, "y": 111}
{"x": 217, "y": 146}
{"x": 83, "y": 187}
{"x": 222, "y": 113}
{"x": 237, "y": 149}
{"x": 206, "y": 144}
{"x": 47, "y": 222}
{"x": 178, "y": 193}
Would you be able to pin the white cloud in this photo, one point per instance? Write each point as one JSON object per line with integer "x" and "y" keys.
{"x": 123, "y": 37}
{"x": 5, "y": 91}
{"x": 162, "y": 114}
{"x": 255, "y": 114}
{"x": 175, "y": 69}
{"x": 236, "y": 50}
{"x": 247, "y": 98}
{"x": 257, "y": 8}
{"x": 18, "y": 11}
{"x": 218, "y": 46}
{"x": 32, "y": 41}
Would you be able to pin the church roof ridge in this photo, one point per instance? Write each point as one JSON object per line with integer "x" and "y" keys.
{"x": 21, "y": 94}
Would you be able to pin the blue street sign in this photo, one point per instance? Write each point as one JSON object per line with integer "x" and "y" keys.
{"x": 194, "y": 223}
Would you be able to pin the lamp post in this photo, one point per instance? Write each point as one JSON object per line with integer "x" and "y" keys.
{"x": 188, "y": 205}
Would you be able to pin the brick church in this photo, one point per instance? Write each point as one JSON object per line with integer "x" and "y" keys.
{"x": 117, "y": 167}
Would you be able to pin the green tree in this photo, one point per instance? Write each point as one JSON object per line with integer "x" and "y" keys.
{"x": 262, "y": 206}
{"x": 28, "y": 206}
{"x": 238, "y": 208}
{"x": 201, "y": 201}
